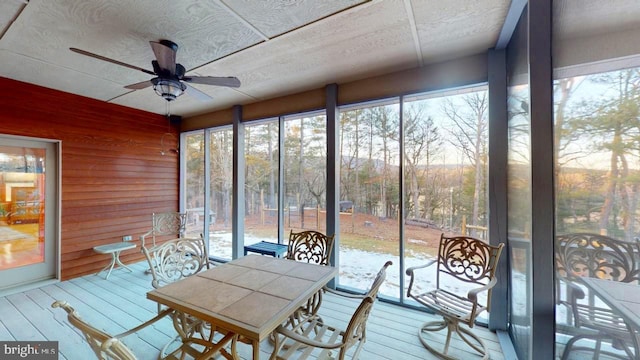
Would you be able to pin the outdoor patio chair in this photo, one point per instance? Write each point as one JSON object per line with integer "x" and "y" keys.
{"x": 464, "y": 260}
{"x": 311, "y": 247}
{"x": 107, "y": 346}
{"x": 165, "y": 224}
{"x": 314, "y": 338}
{"x": 171, "y": 224}
{"x": 175, "y": 259}
{"x": 171, "y": 261}
{"x": 596, "y": 256}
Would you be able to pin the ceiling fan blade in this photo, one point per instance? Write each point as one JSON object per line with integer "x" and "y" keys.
{"x": 230, "y": 81}
{"x": 140, "y": 85}
{"x": 197, "y": 93}
{"x": 100, "y": 57}
{"x": 165, "y": 52}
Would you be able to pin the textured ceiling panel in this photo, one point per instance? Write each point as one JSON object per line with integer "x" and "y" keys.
{"x": 122, "y": 31}
{"x": 454, "y": 28}
{"x": 581, "y": 18}
{"x": 9, "y": 9}
{"x": 310, "y": 43}
{"x": 33, "y": 71}
{"x": 274, "y": 17}
{"x": 354, "y": 44}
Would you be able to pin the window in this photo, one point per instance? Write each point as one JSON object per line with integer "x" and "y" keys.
{"x": 597, "y": 180}
{"x": 369, "y": 194}
{"x": 261, "y": 181}
{"x": 305, "y": 175}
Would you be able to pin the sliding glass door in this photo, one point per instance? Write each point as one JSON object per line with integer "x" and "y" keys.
{"x": 28, "y": 222}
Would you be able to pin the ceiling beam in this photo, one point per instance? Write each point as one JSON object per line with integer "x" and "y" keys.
{"x": 513, "y": 15}
{"x": 414, "y": 30}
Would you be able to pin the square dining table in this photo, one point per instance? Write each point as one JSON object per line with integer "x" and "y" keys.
{"x": 622, "y": 297}
{"x": 249, "y": 296}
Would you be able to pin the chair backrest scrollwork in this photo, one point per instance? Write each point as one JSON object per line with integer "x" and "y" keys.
{"x": 176, "y": 259}
{"x": 467, "y": 259}
{"x": 165, "y": 223}
{"x": 597, "y": 256}
{"x": 310, "y": 246}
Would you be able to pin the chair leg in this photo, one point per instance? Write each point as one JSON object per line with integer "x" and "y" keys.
{"x": 452, "y": 327}
{"x": 596, "y": 349}
{"x": 463, "y": 333}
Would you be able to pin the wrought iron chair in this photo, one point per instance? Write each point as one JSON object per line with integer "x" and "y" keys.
{"x": 171, "y": 261}
{"x": 172, "y": 224}
{"x": 597, "y": 256}
{"x": 313, "y": 338}
{"x": 107, "y": 346}
{"x": 312, "y": 247}
{"x": 175, "y": 259}
{"x": 460, "y": 259}
{"x": 165, "y": 224}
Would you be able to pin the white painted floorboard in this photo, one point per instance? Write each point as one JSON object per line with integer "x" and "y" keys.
{"x": 120, "y": 303}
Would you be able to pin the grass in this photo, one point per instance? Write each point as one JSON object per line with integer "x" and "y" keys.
{"x": 370, "y": 233}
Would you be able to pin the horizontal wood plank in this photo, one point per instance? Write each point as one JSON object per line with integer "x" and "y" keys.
{"x": 111, "y": 161}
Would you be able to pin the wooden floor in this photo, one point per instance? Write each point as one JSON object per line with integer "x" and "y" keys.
{"x": 120, "y": 303}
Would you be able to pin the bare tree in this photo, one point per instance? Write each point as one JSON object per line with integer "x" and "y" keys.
{"x": 422, "y": 142}
{"x": 385, "y": 128}
{"x": 470, "y": 134}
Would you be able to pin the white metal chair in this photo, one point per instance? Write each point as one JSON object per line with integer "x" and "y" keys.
{"x": 312, "y": 337}
{"x": 107, "y": 346}
{"x": 164, "y": 225}
{"x": 175, "y": 259}
{"x": 470, "y": 261}
{"x": 171, "y": 261}
{"x": 170, "y": 224}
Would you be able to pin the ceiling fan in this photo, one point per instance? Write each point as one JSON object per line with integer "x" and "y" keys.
{"x": 170, "y": 80}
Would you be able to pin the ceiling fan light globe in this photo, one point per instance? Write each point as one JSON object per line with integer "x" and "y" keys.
{"x": 169, "y": 89}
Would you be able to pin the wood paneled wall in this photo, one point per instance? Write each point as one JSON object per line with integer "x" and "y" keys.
{"x": 113, "y": 175}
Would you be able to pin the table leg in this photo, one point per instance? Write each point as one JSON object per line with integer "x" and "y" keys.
{"x": 108, "y": 267}
{"x": 256, "y": 350}
{"x": 115, "y": 259}
{"x": 120, "y": 262}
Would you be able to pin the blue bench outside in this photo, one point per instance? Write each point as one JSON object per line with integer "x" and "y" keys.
{"x": 266, "y": 248}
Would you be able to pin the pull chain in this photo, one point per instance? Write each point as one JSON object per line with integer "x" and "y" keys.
{"x": 162, "y": 145}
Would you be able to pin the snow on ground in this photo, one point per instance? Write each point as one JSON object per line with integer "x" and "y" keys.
{"x": 357, "y": 268}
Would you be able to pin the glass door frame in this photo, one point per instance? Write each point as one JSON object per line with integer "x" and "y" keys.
{"x": 35, "y": 275}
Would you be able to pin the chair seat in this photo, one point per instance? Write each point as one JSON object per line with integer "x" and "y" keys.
{"x": 601, "y": 318}
{"x": 461, "y": 260}
{"x": 448, "y": 304}
{"x": 314, "y": 330}
{"x": 309, "y": 335}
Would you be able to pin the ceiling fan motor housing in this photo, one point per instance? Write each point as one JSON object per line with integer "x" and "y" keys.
{"x": 168, "y": 88}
